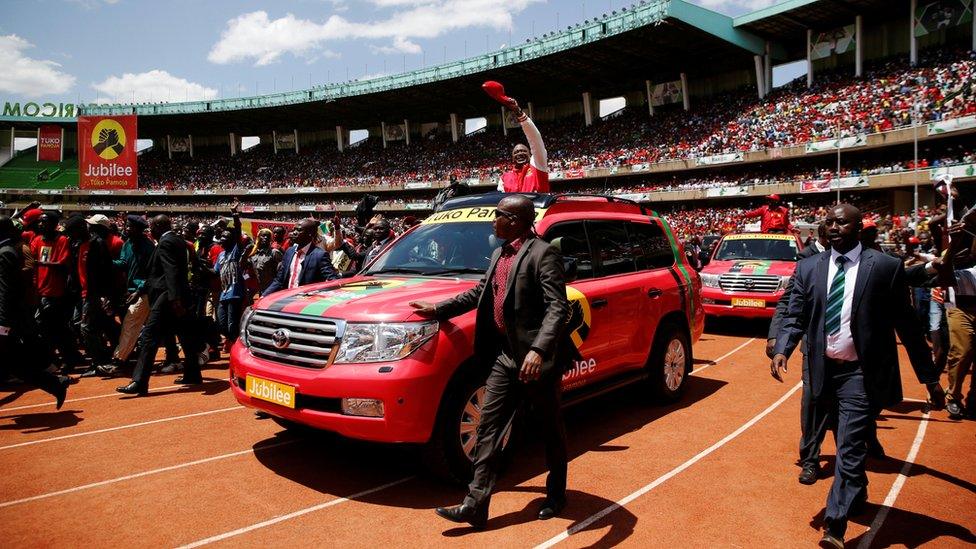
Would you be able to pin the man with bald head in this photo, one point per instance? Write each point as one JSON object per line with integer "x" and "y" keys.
{"x": 848, "y": 304}
{"x": 169, "y": 293}
{"x": 520, "y": 326}
{"x": 303, "y": 262}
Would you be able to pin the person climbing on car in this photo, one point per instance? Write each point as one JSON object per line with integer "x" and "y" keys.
{"x": 775, "y": 216}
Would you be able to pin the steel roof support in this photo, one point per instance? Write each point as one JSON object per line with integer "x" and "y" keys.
{"x": 685, "y": 99}
{"x": 650, "y": 105}
{"x": 858, "y": 49}
{"x": 913, "y": 56}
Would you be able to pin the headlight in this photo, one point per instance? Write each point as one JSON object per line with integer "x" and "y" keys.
{"x": 245, "y": 320}
{"x": 381, "y": 342}
{"x": 784, "y": 281}
{"x": 710, "y": 280}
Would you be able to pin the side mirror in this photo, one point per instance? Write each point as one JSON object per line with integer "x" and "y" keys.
{"x": 569, "y": 268}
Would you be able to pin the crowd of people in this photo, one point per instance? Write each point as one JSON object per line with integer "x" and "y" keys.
{"x": 940, "y": 87}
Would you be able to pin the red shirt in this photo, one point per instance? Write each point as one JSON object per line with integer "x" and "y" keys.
{"x": 215, "y": 251}
{"x": 499, "y": 281}
{"x": 115, "y": 244}
{"x": 777, "y": 218}
{"x": 51, "y": 282}
{"x": 526, "y": 180}
{"x": 83, "y": 267}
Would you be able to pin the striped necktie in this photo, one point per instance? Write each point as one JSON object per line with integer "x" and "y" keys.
{"x": 835, "y": 299}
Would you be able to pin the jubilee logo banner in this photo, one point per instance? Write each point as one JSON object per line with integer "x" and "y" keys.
{"x": 107, "y": 152}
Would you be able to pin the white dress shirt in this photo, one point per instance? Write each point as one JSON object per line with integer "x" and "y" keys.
{"x": 297, "y": 262}
{"x": 840, "y": 346}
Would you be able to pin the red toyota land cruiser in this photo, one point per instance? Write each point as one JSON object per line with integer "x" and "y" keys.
{"x": 748, "y": 273}
{"x": 351, "y": 357}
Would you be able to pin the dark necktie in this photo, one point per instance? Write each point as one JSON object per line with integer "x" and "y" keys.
{"x": 835, "y": 299}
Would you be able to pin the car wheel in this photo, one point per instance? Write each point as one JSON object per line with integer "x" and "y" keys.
{"x": 450, "y": 452}
{"x": 670, "y": 362}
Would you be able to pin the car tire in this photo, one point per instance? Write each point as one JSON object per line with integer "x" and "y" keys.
{"x": 447, "y": 455}
{"x": 669, "y": 363}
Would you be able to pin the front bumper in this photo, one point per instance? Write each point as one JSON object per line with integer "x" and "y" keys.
{"x": 717, "y": 302}
{"x": 410, "y": 391}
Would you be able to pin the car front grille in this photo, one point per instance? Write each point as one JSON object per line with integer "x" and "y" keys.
{"x": 734, "y": 282}
{"x": 304, "y": 341}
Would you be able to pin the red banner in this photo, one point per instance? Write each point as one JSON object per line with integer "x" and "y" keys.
{"x": 815, "y": 186}
{"x": 107, "y": 152}
{"x": 50, "y": 144}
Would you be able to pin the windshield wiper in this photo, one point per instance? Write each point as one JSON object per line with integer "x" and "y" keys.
{"x": 459, "y": 270}
{"x": 398, "y": 270}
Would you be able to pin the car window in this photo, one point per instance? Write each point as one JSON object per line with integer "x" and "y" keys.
{"x": 570, "y": 240}
{"x": 771, "y": 247}
{"x": 612, "y": 246}
{"x": 652, "y": 249}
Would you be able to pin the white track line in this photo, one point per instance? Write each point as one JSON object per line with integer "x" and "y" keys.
{"x": 120, "y": 427}
{"x": 295, "y": 514}
{"x": 723, "y": 357}
{"x": 896, "y": 486}
{"x": 115, "y": 394}
{"x": 144, "y": 474}
{"x": 665, "y": 477}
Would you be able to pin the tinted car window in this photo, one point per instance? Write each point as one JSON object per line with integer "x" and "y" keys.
{"x": 612, "y": 246}
{"x": 570, "y": 239}
{"x": 652, "y": 249}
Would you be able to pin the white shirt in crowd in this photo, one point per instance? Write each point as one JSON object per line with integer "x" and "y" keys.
{"x": 840, "y": 346}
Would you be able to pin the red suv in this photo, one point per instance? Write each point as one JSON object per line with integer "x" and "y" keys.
{"x": 350, "y": 356}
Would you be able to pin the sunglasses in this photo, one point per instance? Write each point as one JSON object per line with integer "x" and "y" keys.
{"x": 509, "y": 215}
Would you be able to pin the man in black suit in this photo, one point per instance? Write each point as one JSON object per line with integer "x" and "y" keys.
{"x": 848, "y": 304}
{"x": 304, "y": 262}
{"x": 814, "y": 421}
{"x": 522, "y": 313}
{"x": 169, "y": 293}
{"x": 20, "y": 343}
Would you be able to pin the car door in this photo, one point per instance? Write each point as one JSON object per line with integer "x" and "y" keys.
{"x": 590, "y": 323}
{"x": 620, "y": 288}
{"x": 659, "y": 283}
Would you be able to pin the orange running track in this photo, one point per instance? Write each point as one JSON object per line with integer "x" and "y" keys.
{"x": 188, "y": 467}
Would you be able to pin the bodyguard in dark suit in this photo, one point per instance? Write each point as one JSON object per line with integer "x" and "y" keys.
{"x": 522, "y": 313}
{"x": 848, "y": 304}
{"x": 303, "y": 262}
{"x": 814, "y": 421}
{"x": 169, "y": 293}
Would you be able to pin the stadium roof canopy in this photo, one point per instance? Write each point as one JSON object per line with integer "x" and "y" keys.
{"x": 654, "y": 40}
{"x": 787, "y": 22}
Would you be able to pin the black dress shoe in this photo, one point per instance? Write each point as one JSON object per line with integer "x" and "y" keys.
{"x": 809, "y": 474}
{"x": 955, "y": 410}
{"x": 62, "y": 391}
{"x": 829, "y": 541}
{"x": 133, "y": 388}
{"x": 551, "y": 508}
{"x": 188, "y": 380}
{"x": 477, "y": 518}
{"x": 91, "y": 372}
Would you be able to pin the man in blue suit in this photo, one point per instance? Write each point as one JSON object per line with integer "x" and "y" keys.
{"x": 848, "y": 304}
{"x": 304, "y": 262}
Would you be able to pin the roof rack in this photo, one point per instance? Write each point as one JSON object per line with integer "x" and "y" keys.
{"x": 555, "y": 198}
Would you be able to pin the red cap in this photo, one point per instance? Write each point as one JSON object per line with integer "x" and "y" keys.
{"x": 773, "y": 197}
{"x": 30, "y": 216}
{"x": 869, "y": 224}
{"x": 914, "y": 240}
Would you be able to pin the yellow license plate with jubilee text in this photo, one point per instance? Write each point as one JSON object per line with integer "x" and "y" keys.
{"x": 271, "y": 391}
{"x": 739, "y": 302}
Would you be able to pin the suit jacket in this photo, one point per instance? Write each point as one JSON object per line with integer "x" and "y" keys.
{"x": 14, "y": 310}
{"x": 316, "y": 267}
{"x": 784, "y": 301}
{"x": 880, "y": 308}
{"x": 169, "y": 269}
{"x": 536, "y": 310}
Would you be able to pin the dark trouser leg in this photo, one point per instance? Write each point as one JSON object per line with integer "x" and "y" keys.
{"x": 172, "y": 351}
{"x": 187, "y": 328}
{"x": 30, "y": 366}
{"x": 854, "y": 420}
{"x": 95, "y": 326}
{"x": 149, "y": 340}
{"x": 501, "y": 401}
{"x": 229, "y": 318}
{"x": 546, "y": 396}
{"x": 814, "y": 422}
{"x": 53, "y": 317}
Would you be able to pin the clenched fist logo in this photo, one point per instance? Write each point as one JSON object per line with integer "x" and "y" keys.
{"x": 108, "y": 139}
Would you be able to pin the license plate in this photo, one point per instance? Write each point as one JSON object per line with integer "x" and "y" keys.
{"x": 271, "y": 391}
{"x": 738, "y": 302}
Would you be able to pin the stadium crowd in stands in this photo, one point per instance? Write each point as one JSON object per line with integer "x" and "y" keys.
{"x": 940, "y": 87}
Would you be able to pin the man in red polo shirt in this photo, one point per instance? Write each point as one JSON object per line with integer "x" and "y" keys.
{"x": 775, "y": 216}
{"x": 51, "y": 252}
{"x": 530, "y": 173}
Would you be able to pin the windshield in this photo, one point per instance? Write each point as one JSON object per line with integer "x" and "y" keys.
{"x": 775, "y": 249}
{"x": 440, "y": 248}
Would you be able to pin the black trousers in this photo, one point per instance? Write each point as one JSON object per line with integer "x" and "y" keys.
{"x": 815, "y": 420}
{"x": 96, "y": 331}
{"x": 161, "y": 320}
{"x": 27, "y": 362}
{"x": 506, "y": 395}
{"x": 54, "y": 321}
{"x": 855, "y": 425}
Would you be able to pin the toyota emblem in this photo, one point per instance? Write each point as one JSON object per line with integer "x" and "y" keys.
{"x": 749, "y": 283}
{"x": 281, "y": 338}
